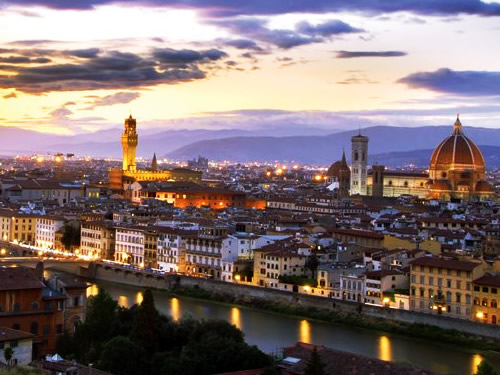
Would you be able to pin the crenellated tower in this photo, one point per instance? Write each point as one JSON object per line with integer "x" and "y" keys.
{"x": 129, "y": 144}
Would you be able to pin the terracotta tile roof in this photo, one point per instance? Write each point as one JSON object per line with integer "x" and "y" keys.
{"x": 8, "y": 334}
{"x": 488, "y": 280}
{"x": 14, "y": 278}
{"x": 451, "y": 264}
{"x": 343, "y": 363}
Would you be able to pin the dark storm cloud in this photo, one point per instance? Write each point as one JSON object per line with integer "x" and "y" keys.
{"x": 465, "y": 83}
{"x": 111, "y": 70}
{"x": 304, "y": 33}
{"x": 227, "y": 8}
{"x": 354, "y": 54}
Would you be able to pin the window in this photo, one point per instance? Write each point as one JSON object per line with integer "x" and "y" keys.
{"x": 34, "y": 328}
{"x": 46, "y": 330}
{"x": 13, "y": 344}
{"x": 485, "y": 289}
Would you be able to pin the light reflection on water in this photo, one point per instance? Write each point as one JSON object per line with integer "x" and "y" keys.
{"x": 236, "y": 317}
{"x": 305, "y": 331}
{"x": 384, "y": 348}
{"x": 271, "y": 331}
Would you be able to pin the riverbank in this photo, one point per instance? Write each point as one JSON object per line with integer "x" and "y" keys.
{"x": 415, "y": 330}
{"x": 443, "y": 329}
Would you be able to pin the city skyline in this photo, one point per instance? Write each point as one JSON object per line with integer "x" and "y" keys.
{"x": 221, "y": 65}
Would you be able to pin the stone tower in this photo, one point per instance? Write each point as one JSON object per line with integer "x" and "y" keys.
{"x": 359, "y": 164}
{"x": 129, "y": 144}
{"x": 344, "y": 177}
{"x": 378, "y": 180}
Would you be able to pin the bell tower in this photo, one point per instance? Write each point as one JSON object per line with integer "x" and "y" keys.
{"x": 359, "y": 164}
{"x": 129, "y": 144}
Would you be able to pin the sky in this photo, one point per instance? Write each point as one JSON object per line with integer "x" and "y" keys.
{"x": 73, "y": 67}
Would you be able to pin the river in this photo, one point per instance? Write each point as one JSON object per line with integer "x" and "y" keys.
{"x": 270, "y": 332}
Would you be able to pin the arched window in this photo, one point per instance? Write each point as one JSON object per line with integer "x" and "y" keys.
{"x": 493, "y": 303}
{"x": 485, "y": 303}
{"x": 406, "y": 184}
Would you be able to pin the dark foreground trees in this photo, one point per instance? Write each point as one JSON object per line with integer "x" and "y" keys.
{"x": 139, "y": 341}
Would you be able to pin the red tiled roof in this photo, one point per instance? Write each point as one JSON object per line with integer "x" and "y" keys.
{"x": 451, "y": 264}
{"x": 488, "y": 280}
{"x": 15, "y": 278}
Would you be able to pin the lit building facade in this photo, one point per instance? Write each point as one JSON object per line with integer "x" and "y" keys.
{"x": 121, "y": 178}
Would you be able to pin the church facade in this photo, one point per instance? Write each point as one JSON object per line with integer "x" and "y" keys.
{"x": 129, "y": 173}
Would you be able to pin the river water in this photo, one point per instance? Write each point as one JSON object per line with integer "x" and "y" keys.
{"x": 271, "y": 331}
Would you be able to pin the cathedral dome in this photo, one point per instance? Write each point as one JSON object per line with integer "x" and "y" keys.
{"x": 457, "y": 152}
{"x": 338, "y": 167}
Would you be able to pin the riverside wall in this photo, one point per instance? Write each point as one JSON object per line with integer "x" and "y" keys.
{"x": 248, "y": 293}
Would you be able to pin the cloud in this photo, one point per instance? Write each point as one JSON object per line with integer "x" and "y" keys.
{"x": 356, "y": 78}
{"x": 354, "y": 54}
{"x": 87, "y": 53}
{"x": 110, "y": 70}
{"x": 117, "y": 98}
{"x": 465, "y": 83}
{"x": 303, "y": 34}
{"x": 24, "y": 60}
{"x": 12, "y": 95}
{"x": 326, "y": 29}
{"x": 172, "y": 57}
{"x": 32, "y": 42}
{"x": 243, "y": 44}
{"x": 229, "y": 8}
{"x": 61, "y": 113}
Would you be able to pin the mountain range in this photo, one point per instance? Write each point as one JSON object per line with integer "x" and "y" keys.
{"x": 388, "y": 145}
{"x": 326, "y": 149}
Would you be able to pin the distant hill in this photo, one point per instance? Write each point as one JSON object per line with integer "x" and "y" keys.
{"x": 326, "y": 149}
{"x": 420, "y": 158}
{"x": 107, "y": 142}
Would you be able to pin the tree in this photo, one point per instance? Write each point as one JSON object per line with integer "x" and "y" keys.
{"x": 8, "y": 353}
{"x": 485, "y": 368}
{"x": 71, "y": 236}
{"x": 314, "y": 365}
{"x": 121, "y": 356}
{"x": 312, "y": 263}
{"x": 146, "y": 324}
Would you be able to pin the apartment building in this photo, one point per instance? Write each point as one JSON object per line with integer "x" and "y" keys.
{"x": 443, "y": 286}
{"x": 129, "y": 245}
{"x": 98, "y": 239}
{"x": 486, "y": 297}
{"x": 46, "y": 228}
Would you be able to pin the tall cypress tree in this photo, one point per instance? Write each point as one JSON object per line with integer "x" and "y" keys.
{"x": 146, "y": 324}
{"x": 314, "y": 365}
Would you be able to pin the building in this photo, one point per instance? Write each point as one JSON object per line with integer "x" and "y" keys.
{"x": 340, "y": 174}
{"x": 129, "y": 245}
{"x": 21, "y": 344}
{"x": 185, "y": 194}
{"x": 129, "y": 173}
{"x": 204, "y": 252}
{"x": 443, "y": 286}
{"x": 172, "y": 248}
{"x": 378, "y": 283}
{"x": 457, "y": 169}
{"x": 150, "y": 249}
{"x": 97, "y": 239}
{"x": 457, "y": 172}
{"x": 26, "y": 304}
{"x": 359, "y": 164}
{"x": 17, "y": 226}
{"x": 486, "y": 298}
{"x": 46, "y": 229}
